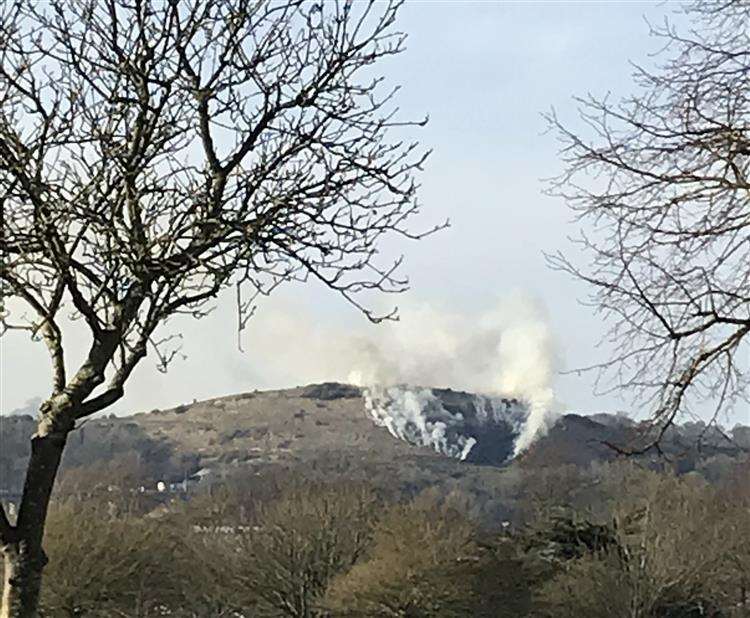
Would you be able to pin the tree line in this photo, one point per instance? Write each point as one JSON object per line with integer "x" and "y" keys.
{"x": 642, "y": 544}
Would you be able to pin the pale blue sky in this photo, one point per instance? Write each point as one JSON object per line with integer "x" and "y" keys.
{"x": 484, "y": 72}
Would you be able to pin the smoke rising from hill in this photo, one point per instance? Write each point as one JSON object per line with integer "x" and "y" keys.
{"x": 505, "y": 352}
{"x": 465, "y": 426}
{"x": 417, "y": 416}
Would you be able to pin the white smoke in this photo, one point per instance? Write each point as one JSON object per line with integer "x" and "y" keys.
{"x": 420, "y": 416}
{"x": 416, "y": 416}
{"x": 505, "y": 352}
{"x": 527, "y": 369}
{"x": 508, "y": 352}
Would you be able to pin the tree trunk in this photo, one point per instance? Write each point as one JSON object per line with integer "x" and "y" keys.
{"x": 22, "y": 582}
{"x": 24, "y": 558}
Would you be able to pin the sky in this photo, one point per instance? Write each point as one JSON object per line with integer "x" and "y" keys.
{"x": 484, "y": 72}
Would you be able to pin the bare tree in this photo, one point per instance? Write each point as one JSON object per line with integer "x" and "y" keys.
{"x": 102, "y": 564}
{"x": 662, "y": 182}
{"x": 416, "y": 564}
{"x": 677, "y": 547}
{"x": 153, "y": 154}
{"x": 297, "y": 544}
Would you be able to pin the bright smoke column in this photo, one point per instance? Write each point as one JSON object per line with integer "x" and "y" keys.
{"x": 417, "y": 416}
{"x": 526, "y": 361}
{"x": 507, "y": 353}
{"x": 456, "y": 424}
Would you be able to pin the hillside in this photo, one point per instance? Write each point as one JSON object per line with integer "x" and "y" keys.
{"x": 325, "y": 430}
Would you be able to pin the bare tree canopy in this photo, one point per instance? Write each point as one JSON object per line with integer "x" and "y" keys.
{"x": 662, "y": 181}
{"x": 155, "y": 153}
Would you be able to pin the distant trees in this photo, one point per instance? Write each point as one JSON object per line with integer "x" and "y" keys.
{"x": 650, "y": 545}
{"x": 662, "y": 181}
{"x": 681, "y": 551}
{"x": 153, "y": 154}
{"x": 413, "y": 567}
{"x": 103, "y": 564}
{"x": 283, "y": 563}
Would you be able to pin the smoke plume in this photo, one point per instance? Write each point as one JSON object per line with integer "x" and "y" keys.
{"x": 417, "y": 416}
{"x": 463, "y": 425}
{"x": 506, "y": 354}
